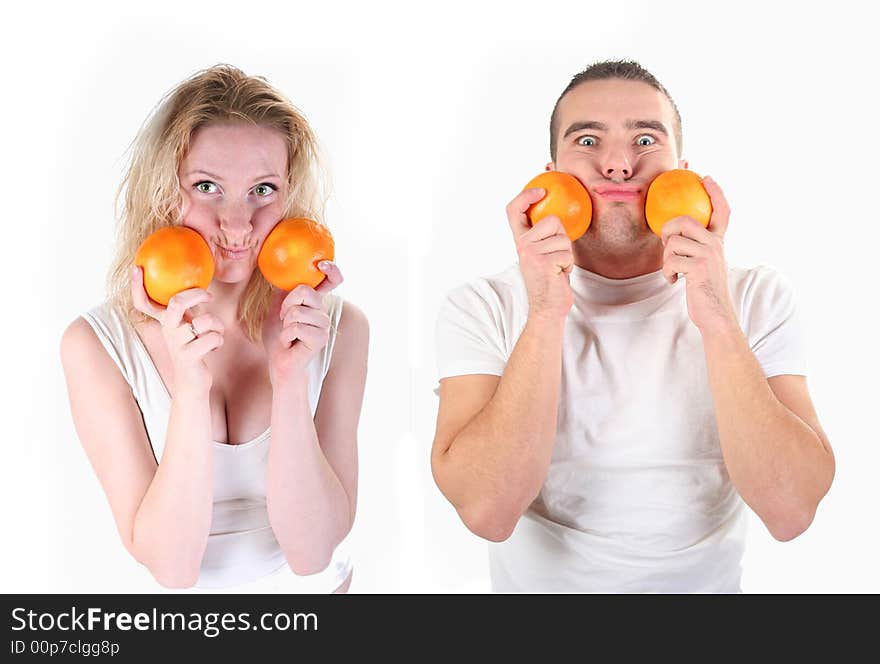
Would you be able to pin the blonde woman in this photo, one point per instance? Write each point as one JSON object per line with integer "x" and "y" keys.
{"x": 174, "y": 405}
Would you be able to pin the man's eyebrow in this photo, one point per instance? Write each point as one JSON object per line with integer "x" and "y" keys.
{"x": 580, "y": 126}
{"x": 647, "y": 124}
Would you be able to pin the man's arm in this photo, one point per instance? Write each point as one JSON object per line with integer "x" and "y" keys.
{"x": 495, "y": 437}
{"x": 776, "y": 453}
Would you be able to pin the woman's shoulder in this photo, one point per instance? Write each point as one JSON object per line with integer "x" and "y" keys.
{"x": 87, "y": 343}
{"x": 81, "y": 332}
{"x": 352, "y": 317}
{"x": 101, "y": 331}
{"x": 352, "y": 332}
{"x": 106, "y": 315}
{"x": 77, "y": 336}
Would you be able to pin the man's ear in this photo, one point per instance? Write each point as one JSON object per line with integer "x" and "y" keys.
{"x": 549, "y": 166}
{"x": 682, "y": 163}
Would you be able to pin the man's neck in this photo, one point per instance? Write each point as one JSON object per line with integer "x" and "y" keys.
{"x": 619, "y": 265}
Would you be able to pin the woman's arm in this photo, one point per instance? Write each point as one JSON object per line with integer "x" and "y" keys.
{"x": 162, "y": 512}
{"x": 312, "y": 474}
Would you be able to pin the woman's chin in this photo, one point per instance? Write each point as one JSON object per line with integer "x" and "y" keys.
{"x": 232, "y": 275}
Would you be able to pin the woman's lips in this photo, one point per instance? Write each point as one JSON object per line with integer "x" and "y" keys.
{"x": 236, "y": 253}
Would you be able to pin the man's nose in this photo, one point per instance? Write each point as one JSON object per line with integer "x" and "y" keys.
{"x": 615, "y": 165}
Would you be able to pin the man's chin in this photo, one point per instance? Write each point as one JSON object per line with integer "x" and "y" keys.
{"x": 618, "y": 228}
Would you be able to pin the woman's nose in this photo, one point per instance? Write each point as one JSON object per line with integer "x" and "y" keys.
{"x": 235, "y": 219}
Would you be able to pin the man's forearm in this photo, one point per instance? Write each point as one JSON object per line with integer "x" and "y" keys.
{"x": 308, "y": 507}
{"x": 496, "y": 465}
{"x": 775, "y": 460}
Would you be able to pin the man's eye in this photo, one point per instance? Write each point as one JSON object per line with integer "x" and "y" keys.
{"x": 587, "y": 140}
{"x": 264, "y": 189}
{"x": 645, "y": 140}
{"x": 206, "y": 187}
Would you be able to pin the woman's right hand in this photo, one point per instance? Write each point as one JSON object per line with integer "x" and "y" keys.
{"x": 188, "y": 338}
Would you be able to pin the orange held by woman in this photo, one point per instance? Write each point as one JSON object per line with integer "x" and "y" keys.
{"x": 174, "y": 258}
{"x": 566, "y": 198}
{"x": 677, "y": 193}
{"x": 291, "y": 252}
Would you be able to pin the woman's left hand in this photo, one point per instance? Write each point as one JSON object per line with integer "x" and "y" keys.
{"x": 296, "y": 327}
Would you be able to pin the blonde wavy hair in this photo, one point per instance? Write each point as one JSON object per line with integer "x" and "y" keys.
{"x": 150, "y": 191}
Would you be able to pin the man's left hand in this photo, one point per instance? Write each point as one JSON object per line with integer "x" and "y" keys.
{"x": 697, "y": 253}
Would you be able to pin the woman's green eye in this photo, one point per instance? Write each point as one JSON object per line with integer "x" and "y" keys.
{"x": 264, "y": 189}
{"x": 206, "y": 187}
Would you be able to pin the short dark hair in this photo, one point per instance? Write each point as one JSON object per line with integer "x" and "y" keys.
{"x": 625, "y": 70}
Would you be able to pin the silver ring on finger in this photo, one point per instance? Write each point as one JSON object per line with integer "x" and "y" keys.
{"x": 192, "y": 328}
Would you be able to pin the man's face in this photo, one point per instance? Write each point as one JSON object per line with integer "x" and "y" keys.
{"x": 616, "y": 136}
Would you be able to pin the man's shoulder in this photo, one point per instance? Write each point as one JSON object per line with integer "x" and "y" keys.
{"x": 504, "y": 288}
{"x": 757, "y": 279}
{"x": 761, "y": 292}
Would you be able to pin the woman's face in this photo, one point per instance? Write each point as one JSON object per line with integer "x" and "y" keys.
{"x": 234, "y": 184}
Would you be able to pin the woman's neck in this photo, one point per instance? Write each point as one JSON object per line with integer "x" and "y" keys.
{"x": 226, "y": 301}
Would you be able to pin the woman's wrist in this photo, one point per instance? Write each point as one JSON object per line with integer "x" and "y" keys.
{"x": 190, "y": 393}
{"x": 290, "y": 384}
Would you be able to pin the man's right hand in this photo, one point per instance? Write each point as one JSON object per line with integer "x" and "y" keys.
{"x": 545, "y": 257}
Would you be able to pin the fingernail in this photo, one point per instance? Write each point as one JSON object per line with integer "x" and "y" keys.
{"x": 324, "y": 265}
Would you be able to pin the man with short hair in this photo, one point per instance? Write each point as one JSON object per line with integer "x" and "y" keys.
{"x": 604, "y": 421}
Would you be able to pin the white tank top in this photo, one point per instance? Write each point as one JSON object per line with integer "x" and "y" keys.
{"x": 242, "y": 550}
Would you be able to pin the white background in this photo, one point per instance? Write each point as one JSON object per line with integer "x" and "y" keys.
{"x": 430, "y": 123}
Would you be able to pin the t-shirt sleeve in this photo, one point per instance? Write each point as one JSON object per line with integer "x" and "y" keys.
{"x": 469, "y": 335}
{"x": 773, "y": 324}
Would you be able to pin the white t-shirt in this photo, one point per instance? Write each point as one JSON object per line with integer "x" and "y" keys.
{"x": 637, "y": 497}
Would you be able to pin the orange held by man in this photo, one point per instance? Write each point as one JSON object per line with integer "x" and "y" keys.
{"x": 174, "y": 258}
{"x": 677, "y": 193}
{"x": 291, "y": 252}
{"x": 566, "y": 198}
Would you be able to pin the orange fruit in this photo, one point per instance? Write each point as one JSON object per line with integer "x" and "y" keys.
{"x": 566, "y": 198}
{"x": 291, "y": 252}
{"x": 174, "y": 258}
{"x": 676, "y": 193}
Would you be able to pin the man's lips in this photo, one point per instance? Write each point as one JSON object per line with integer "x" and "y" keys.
{"x": 618, "y": 192}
